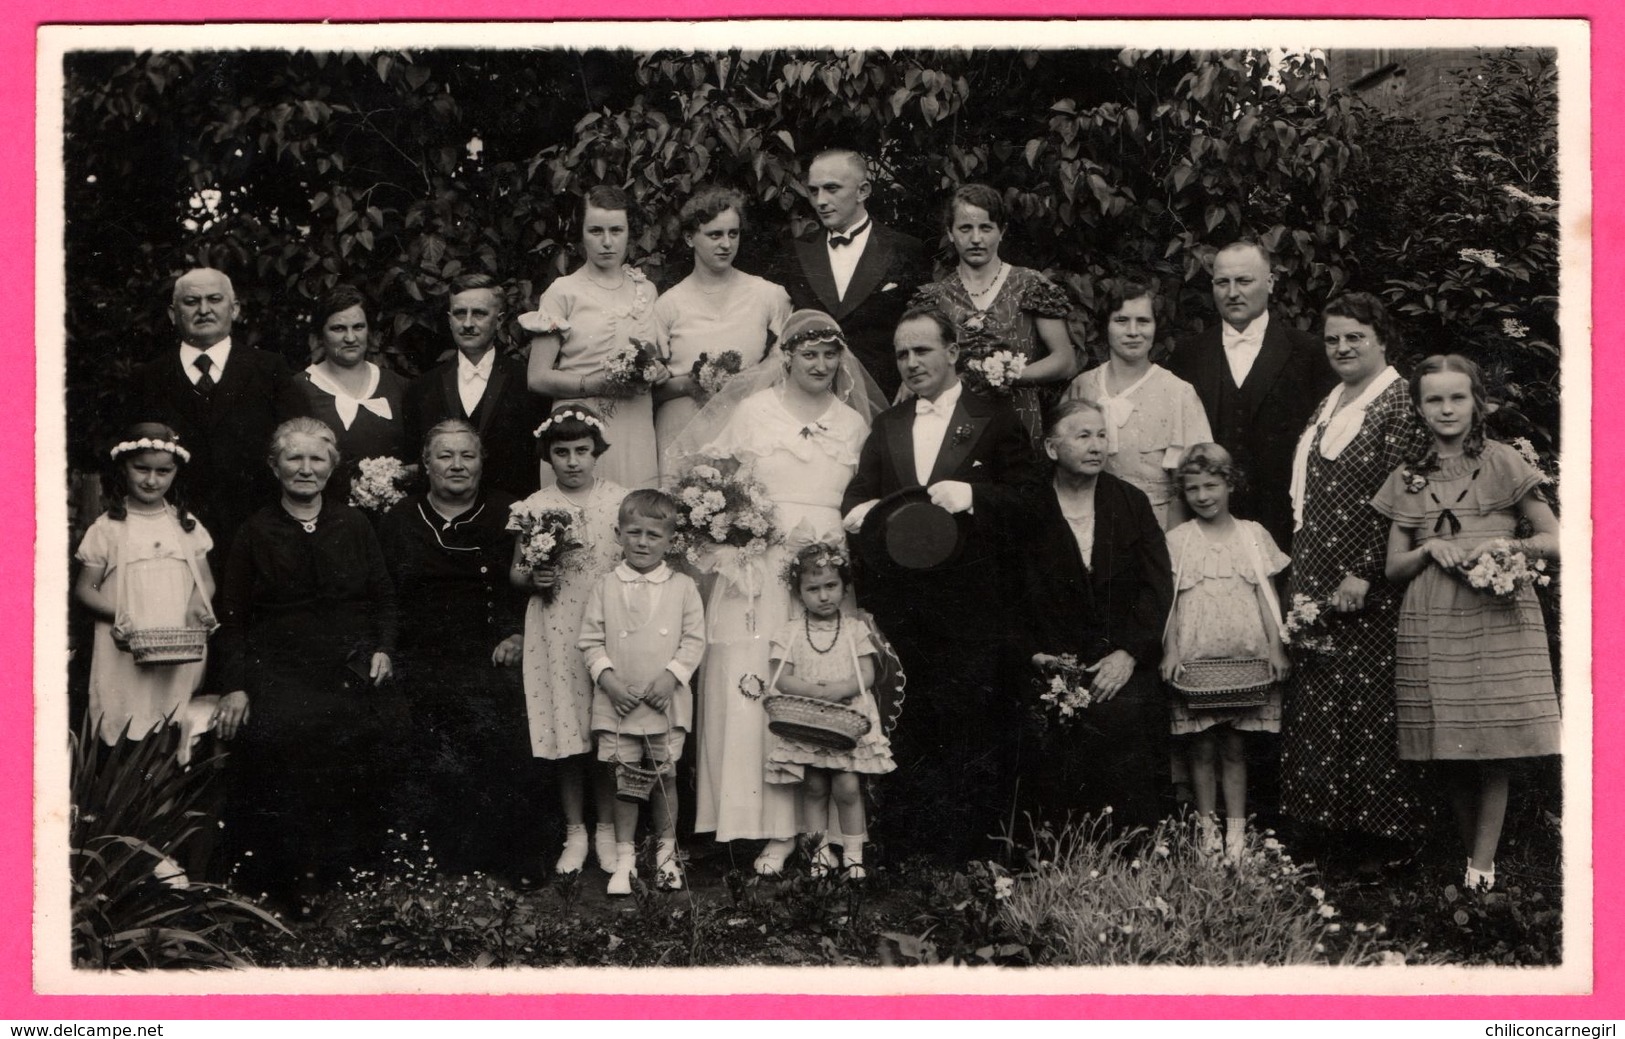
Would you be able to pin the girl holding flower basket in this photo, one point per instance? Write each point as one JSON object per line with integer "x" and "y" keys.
{"x": 769, "y": 456}
{"x": 1474, "y": 678}
{"x": 566, "y": 543}
{"x": 1221, "y": 649}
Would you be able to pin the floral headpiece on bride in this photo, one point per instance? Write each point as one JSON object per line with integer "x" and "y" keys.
{"x": 810, "y": 326}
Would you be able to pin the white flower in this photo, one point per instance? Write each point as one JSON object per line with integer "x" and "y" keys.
{"x": 1002, "y": 886}
{"x": 714, "y": 500}
{"x": 169, "y": 873}
{"x": 1327, "y": 910}
{"x": 1513, "y": 328}
{"x": 1319, "y": 894}
{"x": 1486, "y": 257}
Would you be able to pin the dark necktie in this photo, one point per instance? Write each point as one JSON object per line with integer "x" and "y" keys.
{"x": 205, "y": 381}
{"x": 838, "y": 240}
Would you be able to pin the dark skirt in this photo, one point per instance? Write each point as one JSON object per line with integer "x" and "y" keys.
{"x": 1113, "y": 754}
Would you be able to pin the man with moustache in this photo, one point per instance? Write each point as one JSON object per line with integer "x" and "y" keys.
{"x": 956, "y": 744}
{"x": 1259, "y": 379}
{"x": 859, "y": 272}
{"x": 224, "y": 400}
{"x": 486, "y": 391}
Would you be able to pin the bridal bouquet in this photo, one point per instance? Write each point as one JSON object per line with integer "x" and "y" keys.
{"x": 1304, "y": 627}
{"x": 1500, "y": 571}
{"x": 712, "y": 373}
{"x": 721, "y": 505}
{"x": 1063, "y": 687}
{"x": 377, "y": 484}
{"x": 987, "y": 364}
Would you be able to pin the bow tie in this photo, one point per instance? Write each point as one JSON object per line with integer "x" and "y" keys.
{"x": 927, "y": 407}
{"x": 1234, "y": 339}
{"x": 474, "y": 375}
{"x": 838, "y": 240}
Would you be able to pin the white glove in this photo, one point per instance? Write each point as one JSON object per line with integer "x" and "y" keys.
{"x": 953, "y": 495}
{"x": 854, "y": 519}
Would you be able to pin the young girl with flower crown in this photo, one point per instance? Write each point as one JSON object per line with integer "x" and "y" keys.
{"x": 558, "y": 690}
{"x": 1473, "y": 676}
{"x": 827, "y": 653}
{"x": 145, "y": 567}
{"x": 1225, "y": 608}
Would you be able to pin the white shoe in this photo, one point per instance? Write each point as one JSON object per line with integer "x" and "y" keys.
{"x": 669, "y": 873}
{"x": 603, "y": 847}
{"x": 1479, "y": 879}
{"x": 575, "y": 850}
{"x": 620, "y": 878}
{"x": 770, "y": 863}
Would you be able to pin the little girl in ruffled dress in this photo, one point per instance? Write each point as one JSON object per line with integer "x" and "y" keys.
{"x": 145, "y": 567}
{"x": 1225, "y": 608}
{"x": 827, "y": 653}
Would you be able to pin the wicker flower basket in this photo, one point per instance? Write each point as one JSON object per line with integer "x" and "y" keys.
{"x": 818, "y": 722}
{"x": 633, "y": 782}
{"x": 168, "y": 645}
{"x": 1213, "y": 685}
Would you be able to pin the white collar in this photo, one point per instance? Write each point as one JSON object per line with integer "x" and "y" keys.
{"x": 947, "y": 400}
{"x": 333, "y": 389}
{"x": 865, "y": 222}
{"x": 1253, "y": 333}
{"x": 219, "y": 353}
{"x": 659, "y": 575}
{"x": 476, "y": 369}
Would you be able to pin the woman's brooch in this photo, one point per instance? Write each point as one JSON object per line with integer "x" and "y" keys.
{"x": 1415, "y": 482}
{"x": 961, "y": 433}
{"x": 808, "y": 432}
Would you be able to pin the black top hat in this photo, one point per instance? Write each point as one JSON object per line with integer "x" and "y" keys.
{"x": 906, "y": 531}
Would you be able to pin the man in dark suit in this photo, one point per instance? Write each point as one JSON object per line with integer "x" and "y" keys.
{"x": 1259, "y": 380}
{"x": 487, "y": 391}
{"x": 224, "y": 401}
{"x": 956, "y": 758}
{"x": 857, "y": 271}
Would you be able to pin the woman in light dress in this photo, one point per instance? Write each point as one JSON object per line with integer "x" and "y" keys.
{"x": 1152, "y": 415}
{"x": 715, "y": 309}
{"x": 583, "y": 319}
{"x": 797, "y": 424}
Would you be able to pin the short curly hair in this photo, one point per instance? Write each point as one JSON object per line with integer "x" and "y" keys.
{"x": 987, "y": 199}
{"x": 709, "y": 202}
{"x": 1210, "y": 460}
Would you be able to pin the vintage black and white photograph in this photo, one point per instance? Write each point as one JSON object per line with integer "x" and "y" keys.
{"x": 528, "y": 499}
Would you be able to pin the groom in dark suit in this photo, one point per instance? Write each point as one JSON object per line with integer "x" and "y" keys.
{"x": 956, "y": 756}
{"x": 857, "y": 271}
{"x": 1259, "y": 380}
{"x": 224, "y": 400}
{"x": 482, "y": 388}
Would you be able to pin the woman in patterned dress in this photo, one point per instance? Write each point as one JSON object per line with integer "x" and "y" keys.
{"x": 1340, "y": 768}
{"x": 582, "y": 320}
{"x": 997, "y": 305}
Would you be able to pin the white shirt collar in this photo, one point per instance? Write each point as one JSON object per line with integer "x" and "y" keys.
{"x": 946, "y": 400}
{"x": 1252, "y": 334}
{"x": 865, "y": 222}
{"x": 219, "y": 353}
{"x": 659, "y": 575}
{"x": 480, "y": 370}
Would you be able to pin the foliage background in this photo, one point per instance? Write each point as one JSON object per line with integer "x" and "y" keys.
{"x": 399, "y": 170}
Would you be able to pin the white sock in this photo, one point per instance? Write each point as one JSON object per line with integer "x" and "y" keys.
{"x": 665, "y": 850}
{"x": 852, "y": 848}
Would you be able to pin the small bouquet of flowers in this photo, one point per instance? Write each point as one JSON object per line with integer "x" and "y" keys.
{"x": 631, "y": 370}
{"x": 712, "y": 373}
{"x": 377, "y": 486}
{"x": 1304, "y": 627}
{"x": 720, "y": 505}
{"x": 1501, "y": 571}
{"x": 545, "y": 534}
{"x": 1063, "y": 685}
{"x": 997, "y": 372}
{"x": 987, "y": 364}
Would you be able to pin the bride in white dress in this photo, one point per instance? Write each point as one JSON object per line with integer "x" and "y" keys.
{"x": 798, "y": 423}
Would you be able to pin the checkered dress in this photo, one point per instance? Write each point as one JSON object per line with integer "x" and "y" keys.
{"x": 1339, "y": 746}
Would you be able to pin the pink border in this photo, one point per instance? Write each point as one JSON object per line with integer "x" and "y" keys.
{"x": 22, "y": 17}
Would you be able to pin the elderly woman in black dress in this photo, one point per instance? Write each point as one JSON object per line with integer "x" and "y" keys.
{"x": 461, "y": 640}
{"x": 1097, "y": 584}
{"x": 308, "y": 629}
